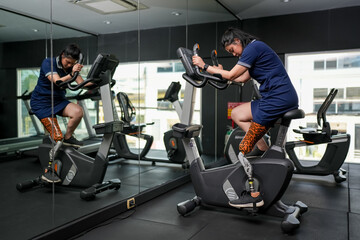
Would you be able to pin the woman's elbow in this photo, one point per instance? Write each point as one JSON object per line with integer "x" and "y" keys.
{"x": 232, "y": 77}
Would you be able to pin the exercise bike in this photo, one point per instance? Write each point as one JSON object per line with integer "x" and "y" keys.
{"x": 337, "y": 145}
{"x": 336, "y": 149}
{"x": 74, "y": 168}
{"x": 217, "y": 186}
{"x": 174, "y": 148}
{"x": 128, "y": 114}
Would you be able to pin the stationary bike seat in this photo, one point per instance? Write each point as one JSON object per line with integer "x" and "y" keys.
{"x": 294, "y": 114}
{"x": 285, "y": 120}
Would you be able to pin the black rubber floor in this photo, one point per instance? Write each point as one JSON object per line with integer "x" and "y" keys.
{"x": 28, "y": 214}
{"x": 334, "y": 213}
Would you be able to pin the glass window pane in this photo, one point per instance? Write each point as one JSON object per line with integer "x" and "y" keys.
{"x": 27, "y": 79}
{"x": 319, "y": 65}
{"x": 331, "y": 64}
{"x": 313, "y": 86}
{"x": 154, "y": 80}
{"x": 320, "y": 92}
{"x": 340, "y": 94}
{"x": 352, "y": 92}
{"x": 357, "y": 137}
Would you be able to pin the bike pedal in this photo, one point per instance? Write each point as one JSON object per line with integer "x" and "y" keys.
{"x": 252, "y": 211}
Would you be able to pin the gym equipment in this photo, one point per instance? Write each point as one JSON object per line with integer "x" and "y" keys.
{"x": 217, "y": 186}
{"x": 236, "y": 134}
{"x": 128, "y": 114}
{"x": 23, "y": 145}
{"x": 336, "y": 149}
{"x": 174, "y": 148}
{"x": 25, "y": 97}
{"x": 73, "y": 167}
{"x": 93, "y": 140}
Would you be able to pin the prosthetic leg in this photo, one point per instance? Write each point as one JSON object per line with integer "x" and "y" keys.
{"x": 52, "y": 127}
{"x": 251, "y": 198}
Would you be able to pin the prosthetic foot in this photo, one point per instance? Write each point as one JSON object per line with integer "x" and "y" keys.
{"x": 249, "y": 198}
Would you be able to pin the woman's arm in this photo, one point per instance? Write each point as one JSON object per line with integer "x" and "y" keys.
{"x": 243, "y": 78}
{"x": 238, "y": 73}
{"x": 76, "y": 68}
{"x": 55, "y": 77}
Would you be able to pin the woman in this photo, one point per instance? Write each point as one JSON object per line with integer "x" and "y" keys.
{"x": 62, "y": 69}
{"x": 256, "y": 60}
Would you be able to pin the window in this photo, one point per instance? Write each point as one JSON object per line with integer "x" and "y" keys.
{"x": 319, "y": 65}
{"x": 340, "y": 94}
{"x": 331, "y": 109}
{"x": 320, "y": 92}
{"x": 313, "y": 86}
{"x": 350, "y": 61}
{"x": 27, "y": 80}
{"x": 331, "y": 64}
{"x": 353, "y": 93}
{"x": 165, "y": 69}
{"x": 179, "y": 67}
{"x": 357, "y": 140}
{"x": 348, "y": 107}
{"x": 143, "y": 91}
{"x": 338, "y": 62}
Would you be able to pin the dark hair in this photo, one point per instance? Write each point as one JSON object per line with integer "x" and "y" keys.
{"x": 231, "y": 33}
{"x": 71, "y": 51}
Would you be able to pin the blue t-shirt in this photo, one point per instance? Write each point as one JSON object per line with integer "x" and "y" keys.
{"x": 278, "y": 93}
{"x": 41, "y": 96}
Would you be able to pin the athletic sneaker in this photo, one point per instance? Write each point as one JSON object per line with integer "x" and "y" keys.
{"x": 247, "y": 200}
{"x": 73, "y": 142}
{"x": 256, "y": 152}
{"x": 50, "y": 176}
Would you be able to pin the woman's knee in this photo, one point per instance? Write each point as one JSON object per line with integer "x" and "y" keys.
{"x": 241, "y": 113}
{"x": 73, "y": 110}
{"x": 79, "y": 111}
{"x": 234, "y": 116}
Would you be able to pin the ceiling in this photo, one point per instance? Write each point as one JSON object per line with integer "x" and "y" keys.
{"x": 157, "y": 13}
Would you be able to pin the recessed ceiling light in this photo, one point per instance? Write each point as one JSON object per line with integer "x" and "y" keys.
{"x": 176, "y": 13}
{"x": 109, "y": 6}
{"x": 35, "y": 30}
{"x": 285, "y": 1}
{"x": 107, "y": 22}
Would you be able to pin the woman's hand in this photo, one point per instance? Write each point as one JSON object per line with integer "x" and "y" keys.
{"x": 218, "y": 67}
{"x": 77, "y": 68}
{"x": 197, "y": 61}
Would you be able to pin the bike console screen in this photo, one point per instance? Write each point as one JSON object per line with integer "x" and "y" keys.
{"x": 185, "y": 56}
{"x": 102, "y": 63}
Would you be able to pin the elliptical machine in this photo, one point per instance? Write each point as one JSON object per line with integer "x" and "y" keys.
{"x": 217, "y": 186}
{"x": 73, "y": 167}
